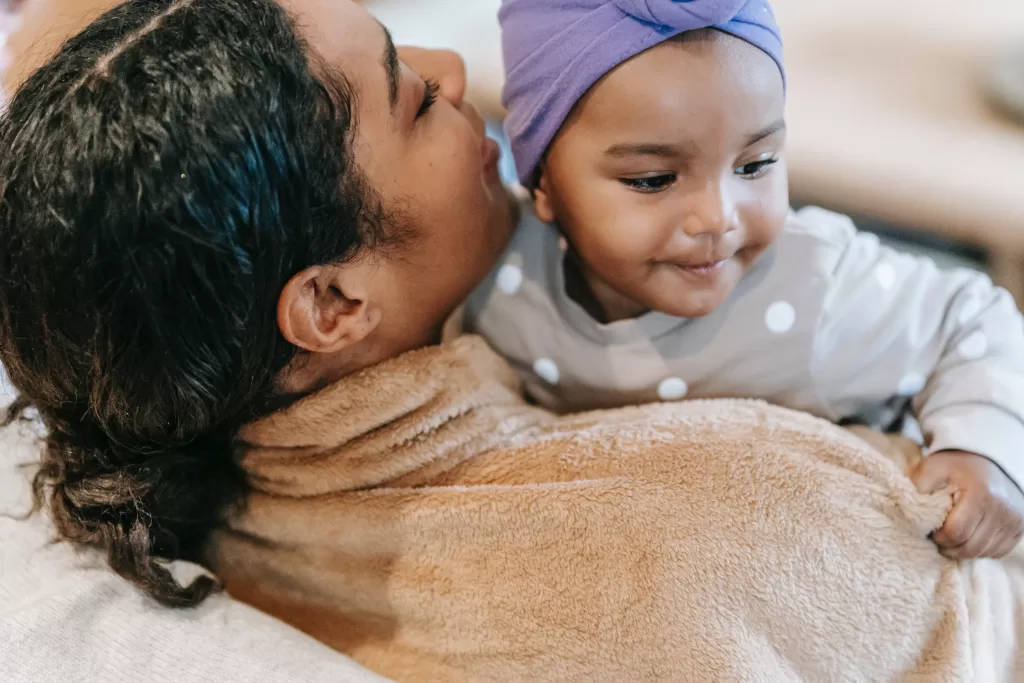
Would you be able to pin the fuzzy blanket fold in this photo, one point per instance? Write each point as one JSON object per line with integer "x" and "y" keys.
{"x": 421, "y": 518}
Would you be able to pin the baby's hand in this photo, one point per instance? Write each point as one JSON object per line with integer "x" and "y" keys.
{"x": 987, "y": 519}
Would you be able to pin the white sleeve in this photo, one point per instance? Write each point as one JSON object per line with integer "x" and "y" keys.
{"x": 894, "y": 325}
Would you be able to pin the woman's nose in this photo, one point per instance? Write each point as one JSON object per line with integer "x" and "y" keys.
{"x": 444, "y": 67}
{"x": 709, "y": 212}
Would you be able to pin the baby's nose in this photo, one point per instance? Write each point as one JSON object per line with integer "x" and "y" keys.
{"x": 709, "y": 212}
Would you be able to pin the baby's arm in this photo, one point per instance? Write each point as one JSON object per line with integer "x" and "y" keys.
{"x": 895, "y": 325}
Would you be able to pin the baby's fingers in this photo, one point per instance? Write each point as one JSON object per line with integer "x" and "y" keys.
{"x": 930, "y": 476}
{"x": 954, "y": 538}
{"x": 1006, "y": 546}
{"x": 989, "y": 535}
{"x": 1007, "y": 534}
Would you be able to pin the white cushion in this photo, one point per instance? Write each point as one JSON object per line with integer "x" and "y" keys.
{"x": 65, "y": 617}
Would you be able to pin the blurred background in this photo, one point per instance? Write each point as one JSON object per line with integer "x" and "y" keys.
{"x": 906, "y": 114}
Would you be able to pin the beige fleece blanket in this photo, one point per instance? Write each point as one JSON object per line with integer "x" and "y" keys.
{"x": 422, "y": 519}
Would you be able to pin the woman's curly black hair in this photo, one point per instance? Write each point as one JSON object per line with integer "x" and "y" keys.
{"x": 162, "y": 178}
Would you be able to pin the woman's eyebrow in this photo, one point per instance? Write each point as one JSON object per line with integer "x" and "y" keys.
{"x": 391, "y": 67}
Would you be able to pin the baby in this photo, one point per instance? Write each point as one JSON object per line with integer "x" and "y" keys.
{"x": 660, "y": 259}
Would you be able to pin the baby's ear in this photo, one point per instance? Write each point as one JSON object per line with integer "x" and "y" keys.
{"x": 542, "y": 200}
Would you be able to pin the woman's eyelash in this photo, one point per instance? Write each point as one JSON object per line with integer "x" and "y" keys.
{"x": 429, "y": 97}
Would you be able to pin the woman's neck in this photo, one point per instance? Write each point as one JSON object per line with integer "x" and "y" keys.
{"x": 407, "y": 417}
{"x": 311, "y": 372}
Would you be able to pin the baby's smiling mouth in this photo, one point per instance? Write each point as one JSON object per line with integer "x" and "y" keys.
{"x": 703, "y": 269}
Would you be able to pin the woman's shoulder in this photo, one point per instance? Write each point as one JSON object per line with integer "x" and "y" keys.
{"x": 712, "y": 439}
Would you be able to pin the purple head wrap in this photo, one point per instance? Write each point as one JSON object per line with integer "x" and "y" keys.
{"x": 555, "y": 50}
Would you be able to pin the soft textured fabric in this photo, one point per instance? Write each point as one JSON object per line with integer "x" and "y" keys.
{"x": 555, "y": 50}
{"x": 829, "y": 321}
{"x": 421, "y": 518}
{"x": 66, "y": 618}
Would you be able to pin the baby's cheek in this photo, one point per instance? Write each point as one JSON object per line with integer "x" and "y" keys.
{"x": 616, "y": 251}
{"x": 778, "y": 202}
{"x": 639, "y": 237}
{"x": 766, "y": 221}
{"x": 776, "y": 223}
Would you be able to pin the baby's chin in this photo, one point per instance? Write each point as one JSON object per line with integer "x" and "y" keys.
{"x": 679, "y": 295}
{"x": 670, "y": 290}
{"x": 695, "y": 307}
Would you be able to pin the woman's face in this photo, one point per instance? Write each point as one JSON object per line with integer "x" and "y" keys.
{"x": 423, "y": 149}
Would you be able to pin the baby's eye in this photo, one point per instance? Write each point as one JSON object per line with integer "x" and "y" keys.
{"x": 756, "y": 169}
{"x": 649, "y": 184}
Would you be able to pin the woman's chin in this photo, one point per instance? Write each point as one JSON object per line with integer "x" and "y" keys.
{"x": 504, "y": 216}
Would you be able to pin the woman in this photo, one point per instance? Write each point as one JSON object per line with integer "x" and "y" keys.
{"x": 231, "y": 233}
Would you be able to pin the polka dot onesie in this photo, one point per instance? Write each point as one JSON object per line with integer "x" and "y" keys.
{"x": 828, "y": 321}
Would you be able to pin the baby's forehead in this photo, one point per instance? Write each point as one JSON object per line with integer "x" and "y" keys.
{"x": 697, "y": 59}
{"x": 686, "y": 84}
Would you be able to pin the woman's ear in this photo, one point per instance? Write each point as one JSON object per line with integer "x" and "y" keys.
{"x": 543, "y": 203}
{"x": 325, "y": 309}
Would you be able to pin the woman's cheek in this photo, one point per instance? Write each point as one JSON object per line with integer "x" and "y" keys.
{"x": 466, "y": 144}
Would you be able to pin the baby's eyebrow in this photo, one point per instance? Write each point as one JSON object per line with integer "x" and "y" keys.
{"x": 766, "y": 132}
{"x": 627, "y": 150}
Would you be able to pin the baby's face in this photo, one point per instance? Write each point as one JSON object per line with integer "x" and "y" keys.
{"x": 669, "y": 179}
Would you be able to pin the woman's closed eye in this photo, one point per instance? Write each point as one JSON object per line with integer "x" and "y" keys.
{"x": 756, "y": 169}
{"x": 430, "y": 91}
{"x": 649, "y": 184}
